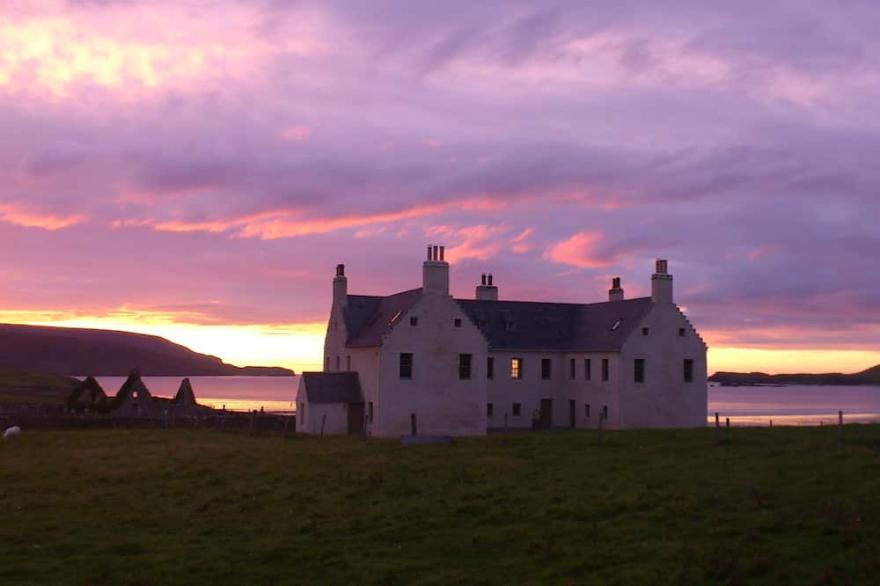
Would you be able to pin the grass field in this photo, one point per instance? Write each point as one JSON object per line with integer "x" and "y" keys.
{"x": 773, "y": 506}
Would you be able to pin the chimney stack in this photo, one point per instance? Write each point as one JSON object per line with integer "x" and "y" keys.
{"x": 616, "y": 292}
{"x": 340, "y": 287}
{"x": 435, "y": 271}
{"x": 486, "y": 291}
{"x": 661, "y": 283}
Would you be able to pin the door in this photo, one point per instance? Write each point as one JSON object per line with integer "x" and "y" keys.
{"x": 355, "y": 419}
{"x": 571, "y": 414}
{"x": 546, "y": 414}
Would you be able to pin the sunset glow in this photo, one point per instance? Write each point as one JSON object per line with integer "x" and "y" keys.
{"x": 196, "y": 170}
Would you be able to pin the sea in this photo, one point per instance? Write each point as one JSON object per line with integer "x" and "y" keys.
{"x": 745, "y": 405}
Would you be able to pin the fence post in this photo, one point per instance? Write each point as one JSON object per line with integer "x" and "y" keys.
{"x": 286, "y": 423}
{"x": 323, "y": 421}
{"x": 717, "y": 420}
{"x": 727, "y": 422}
{"x": 840, "y": 418}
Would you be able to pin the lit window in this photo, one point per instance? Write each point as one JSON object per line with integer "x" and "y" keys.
{"x": 516, "y": 409}
{"x": 516, "y": 368}
{"x": 406, "y": 365}
{"x": 546, "y": 368}
{"x": 688, "y": 370}
{"x": 413, "y": 321}
{"x": 464, "y": 366}
{"x": 639, "y": 370}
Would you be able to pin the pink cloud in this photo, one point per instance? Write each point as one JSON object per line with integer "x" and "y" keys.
{"x": 296, "y": 133}
{"x": 19, "y": 216}
{"x": 578, "y": 251}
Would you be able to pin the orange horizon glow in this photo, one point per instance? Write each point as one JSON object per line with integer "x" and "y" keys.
{"x": 299, "y": 346}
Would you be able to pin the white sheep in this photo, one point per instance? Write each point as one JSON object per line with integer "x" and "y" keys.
{"x": 11, "y": 432}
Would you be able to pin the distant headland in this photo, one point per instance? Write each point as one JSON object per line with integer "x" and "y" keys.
{"x": 80, "y": 351}
{"x": 871, "y": 376}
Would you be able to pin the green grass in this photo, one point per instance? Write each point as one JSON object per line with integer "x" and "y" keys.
{"x": 772, "y": 506}
{"x": 19, "y": 386}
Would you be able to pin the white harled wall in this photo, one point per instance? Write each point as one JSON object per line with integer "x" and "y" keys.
{"x": 443, "y": 404}
{"x": 664, "y": 399}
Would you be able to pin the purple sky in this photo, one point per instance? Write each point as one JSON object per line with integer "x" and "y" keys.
{"x": 195, "y": 163}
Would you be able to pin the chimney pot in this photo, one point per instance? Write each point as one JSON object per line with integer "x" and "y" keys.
{"x": 442, "y": 252}
{"x": 490, "y": 279}
{"x": 435, "y": 254}
{"x": 340, "y": 270}
{"x": 483, "y": 279}
{"x": 429, "y": 252}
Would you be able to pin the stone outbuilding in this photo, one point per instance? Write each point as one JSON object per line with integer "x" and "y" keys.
{"x": 330, "y": 402}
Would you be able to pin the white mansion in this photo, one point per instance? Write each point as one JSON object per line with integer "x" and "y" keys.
{"x": 422, "y": 361}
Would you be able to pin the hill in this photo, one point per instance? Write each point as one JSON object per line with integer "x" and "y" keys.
{"x": 19, "y": 386}
{"x": 870, "y": 376}
{"x": 80, "y": 351}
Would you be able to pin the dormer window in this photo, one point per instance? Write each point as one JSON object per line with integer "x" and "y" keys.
{"x": 413, "y": 321}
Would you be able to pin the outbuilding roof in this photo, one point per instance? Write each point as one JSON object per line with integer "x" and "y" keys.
{"x": 513, "y": 325}
{"x": 332, "y": 387}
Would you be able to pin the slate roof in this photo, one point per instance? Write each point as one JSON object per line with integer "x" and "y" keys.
{"x": 369, "y": 317}
{"x": 332, "y": 387}
{"x": 528, "y": 325}
{"x": 512, "y": 325}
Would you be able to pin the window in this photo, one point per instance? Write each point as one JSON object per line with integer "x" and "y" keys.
{"x": 413, "y": 321}
{"x": 688, "y": 370}
{"x": 406, "y": 365}
{"x": 604, "y": 369}
{"x": 604, "y": 411}
{"x": 516, "y": 370}
{"x": 517, "y": 408}
{"x": 588, "y": 369}
{"x": 587, "y": 410}
{"x": 348, "y": 363}
{"x": 546, "y": 368}
{"x": 489, "y": 410}
{"x": 464, "y": 366}
{"x": 645, "y": 331}
{"x": 639, "y": 370}
{"x": 490, "y": 367}
{"x": 457, "y": 322}
{"x": 681, "y": 331}
{"x": 370, "y": 411}
{"x": 337, "y": 362}
{"x": 571, "y": 368}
